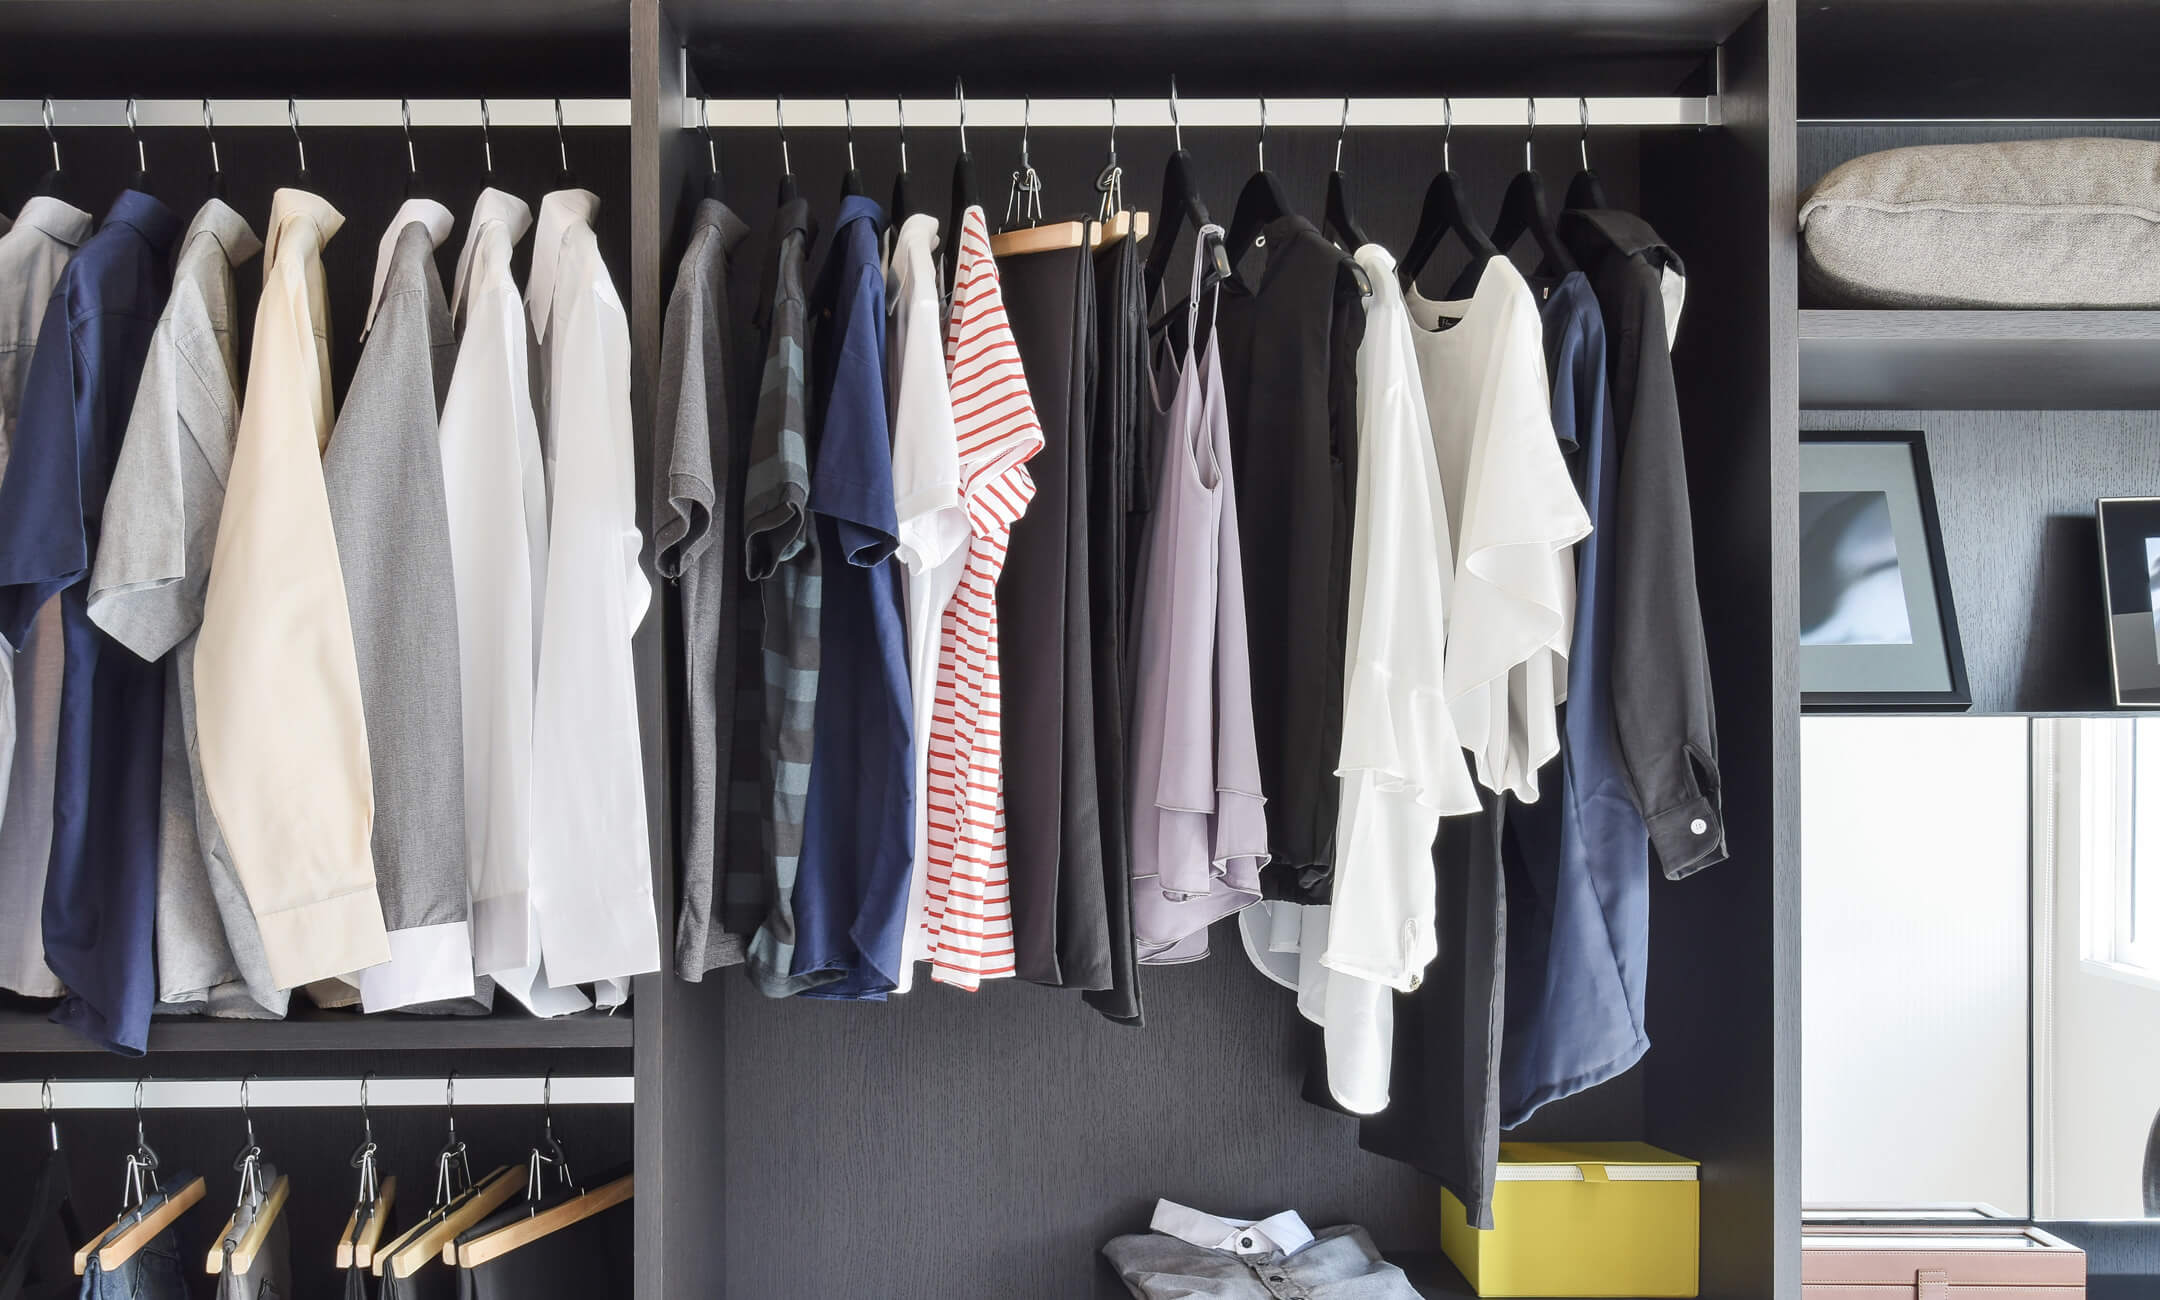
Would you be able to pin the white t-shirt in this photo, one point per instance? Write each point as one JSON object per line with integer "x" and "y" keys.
{"x": 1515, "y": 516}
{"x": 933, "y": 522}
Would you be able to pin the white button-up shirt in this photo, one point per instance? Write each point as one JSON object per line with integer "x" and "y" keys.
{"x": 277, "y": 686}
{"x": 591, "y": 857}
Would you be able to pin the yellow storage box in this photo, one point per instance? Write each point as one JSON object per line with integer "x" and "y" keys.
{"x": 1583, "y": 1219}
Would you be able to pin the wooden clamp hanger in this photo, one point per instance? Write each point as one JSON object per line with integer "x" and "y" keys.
{"x": 123, "y": 1239}
{"x": 578, "y": 1208}
{"x": 232, "y": 1245}
{"x": 372, "y": 1204}
{"x": 428, "y": 1241}
{"x": 1112, "y": 222}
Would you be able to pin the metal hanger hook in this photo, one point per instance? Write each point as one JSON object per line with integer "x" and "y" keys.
{"x": 139, "y": 1140}
{"x": 1113, "y": 130}
{"x": 1177, "y": 128}
{"x": 847, "y": 107}
{"x": 1027, "y": 113}
{"x": 247, "y": 1118}
{"x": 1342, "y": 129}
{"x": 1262, "y": 147}
{"x": 1447, "y": 133}
{"x": 142, "y": 160}
{"x": 52, "y": 1124}
{"x": 209, "y": 126}
{"x": 1529, "y": 135}
{"x": 1582, "y": 106}
{"x": 412, "y": 160}
{"x": 52, "y": 137}
{"x": 487, "y": 145}
{"x": 562, "y": 145}
{"x": 900, "y": 111}
{"x": 959, "y": 91}
{"x": 779, "y": 114}
{"x": 712, "y": 155}
{"x": 292, "y": 115}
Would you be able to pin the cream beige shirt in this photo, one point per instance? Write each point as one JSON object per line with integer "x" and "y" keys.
{"x": 277, "y": 687}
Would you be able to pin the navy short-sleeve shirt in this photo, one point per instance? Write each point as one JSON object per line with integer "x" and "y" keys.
{"x": 101, "y": 879}
{"x": 851, "y": 890}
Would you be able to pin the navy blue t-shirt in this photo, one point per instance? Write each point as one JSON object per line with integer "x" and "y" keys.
{"x": 851, "y": 890}
{"x": 101, "y": 881}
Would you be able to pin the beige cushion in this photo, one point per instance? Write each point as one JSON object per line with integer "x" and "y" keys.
{"x": 2026, "y": 223}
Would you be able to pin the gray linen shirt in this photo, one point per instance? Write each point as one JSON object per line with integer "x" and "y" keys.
{"x": 1184, "y": 1257}
{"x": 146, "y": 591}
{"x": 383, "y": 472}
{"x": 697, "y": 543}
{"x": 33, "y": 252}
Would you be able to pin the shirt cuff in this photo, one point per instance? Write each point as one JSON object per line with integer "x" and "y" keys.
{"x": 1688, "y": 837}
{"x": 428, "y": 963}
{"x": 319, "y": 940}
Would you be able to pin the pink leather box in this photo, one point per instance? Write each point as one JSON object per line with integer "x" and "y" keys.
{"x": 1939, "y": 1262}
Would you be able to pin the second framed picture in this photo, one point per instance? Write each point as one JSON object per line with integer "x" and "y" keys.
{"x": 1878, "y": 626}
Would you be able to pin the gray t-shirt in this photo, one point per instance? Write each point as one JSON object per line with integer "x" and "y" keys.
{"x": 697, "y": 543}
{"x": 32, "y": 254}
{"x": 146, "y": 591}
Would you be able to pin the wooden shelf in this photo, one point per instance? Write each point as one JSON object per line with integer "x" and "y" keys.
{"x": 1434, "y": 1276}
{"x": 1980, "y": 360}
{"x": 25, "y": 1029}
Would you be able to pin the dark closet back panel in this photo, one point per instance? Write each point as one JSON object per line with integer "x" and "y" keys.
{"x": 312, "y": 1146}
{"x": 947, "y": 1144}
{"x": 362, "y": 172}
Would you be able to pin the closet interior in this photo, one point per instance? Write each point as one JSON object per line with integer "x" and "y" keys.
{"x": 989, "y": 1145}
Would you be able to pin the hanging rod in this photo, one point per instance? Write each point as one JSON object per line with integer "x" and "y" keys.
{"x": 1665, "y": 110}
{"x": 339, "y": 1094}
{"x": 316, "y": 112}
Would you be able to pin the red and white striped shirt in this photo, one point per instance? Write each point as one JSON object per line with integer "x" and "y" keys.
{"x": 968, "y": 917}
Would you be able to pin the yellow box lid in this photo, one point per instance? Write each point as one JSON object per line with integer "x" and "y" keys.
{"x": 1620, "y": 1161}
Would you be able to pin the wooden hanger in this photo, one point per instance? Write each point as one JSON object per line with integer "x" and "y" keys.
{"x": 1069, "y": 234}
{"x": 356, "y": 1245}
{"x": 425, "y": 1242}
{"x": 249, "y": 1243}
{"x": 123, "y": 1246}
{"x": 505, "y": 1239}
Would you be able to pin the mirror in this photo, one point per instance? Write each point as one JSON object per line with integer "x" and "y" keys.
{"x": 1981, "y": 967}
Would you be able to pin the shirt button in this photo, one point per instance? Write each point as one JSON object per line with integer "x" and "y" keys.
{"x": 1698, "y": 826}
{"x": 1244, "y": 1243}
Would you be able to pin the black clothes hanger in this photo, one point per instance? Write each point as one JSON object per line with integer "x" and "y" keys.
{"x": 851, "y": 184}
{"x": 565, "y": 179}
{"x": 140, "y": 181}
{"x": 966, "y": 192}
{"x": 292, "y": 114}
{"x": 1337, "y": 220}
{"x": 789, "y": 190}
{"x": 712, "y": 187}
{"x": 903, "y": 190}
{"x": 217, "y": 171}
{"x": 1523, "y": 210}
{"x": 1261, "y": 201}
{"x": 1586, "y": 190}
{"x": 415, "y": 187}
{"x": 1446, "y": 209}
{"x": 56, "y": 183}
{"x": 1181, "y": 203}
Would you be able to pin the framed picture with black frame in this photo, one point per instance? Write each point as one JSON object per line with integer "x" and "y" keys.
{"x": 2130, "y": 577}
{"x": 1878, "y": 626}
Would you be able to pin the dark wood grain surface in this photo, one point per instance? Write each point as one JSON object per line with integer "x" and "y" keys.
{"x": 1980, "y": 360}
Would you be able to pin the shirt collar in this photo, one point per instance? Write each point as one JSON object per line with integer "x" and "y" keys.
{"x": 1283, "y": 1233}
{"x": 793, "y": 216}
{"x": 425, "y": 212}
{"x": 143, "y": 213}
{"x": 228, "y": 228}
{"x": 494, "y": 207}
{"x": 858, "y": 207}
{"x": 1626, "y": 232}
{"x": 712, "y": 214}
{"x": 559, "y": 212}
{"x": 56, "y": 217}
{"x": 290, "y": 208}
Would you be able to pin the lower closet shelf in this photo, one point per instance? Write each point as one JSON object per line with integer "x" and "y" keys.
{"x": 1434, "y": 1276}
{"x": 25, "y": 1029}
